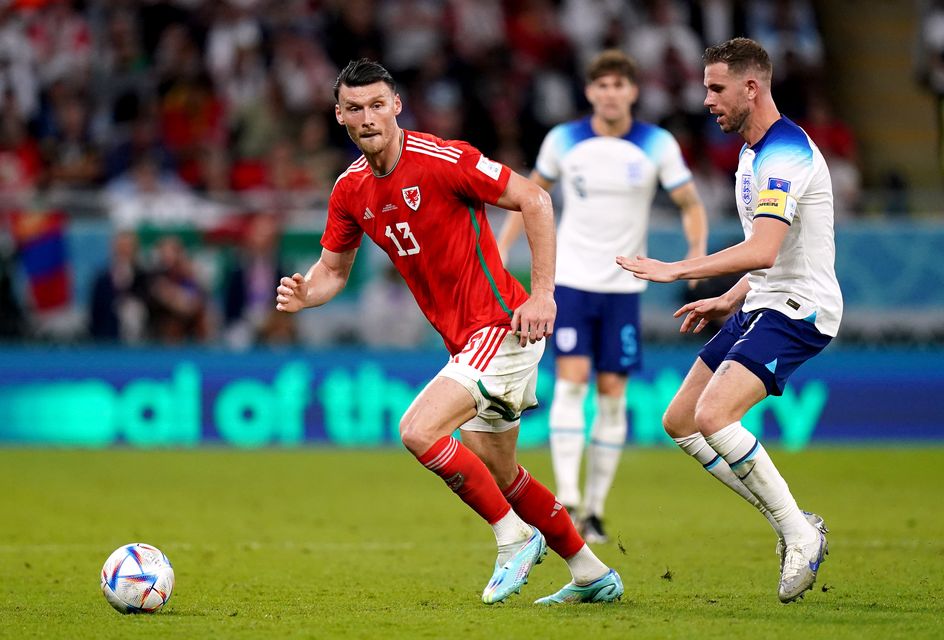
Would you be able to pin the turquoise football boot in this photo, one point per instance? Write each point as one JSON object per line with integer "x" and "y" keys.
{"x": 605, "y": 589}
{"x": 509, "y": 577}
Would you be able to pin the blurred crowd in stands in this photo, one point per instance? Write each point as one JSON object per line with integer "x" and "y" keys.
{"x": 193, "y": 113}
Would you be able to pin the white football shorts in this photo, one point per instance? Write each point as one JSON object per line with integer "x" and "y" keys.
{"x": 500, "y": 374}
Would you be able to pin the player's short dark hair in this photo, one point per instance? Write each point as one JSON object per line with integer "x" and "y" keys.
{"x": 612, "y": 62}
{"x": 360, "y": 73}
{"x": 741, "y": 55}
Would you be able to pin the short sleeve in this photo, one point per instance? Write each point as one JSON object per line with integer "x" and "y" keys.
{"x": 673, "y": 172}
{"x": 475, "y": 177}
{"x": 549, "y": 157}
{"x": 783, "y": 174}
{"x": 342, "y": 233}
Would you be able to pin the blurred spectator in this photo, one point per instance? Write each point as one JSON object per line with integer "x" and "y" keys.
{"x": 72, "y": 159}
{"x": 389, "y": 316}
{"x": 234, "y": 30}
{"x": 789, "y": 32}
{"x": 278, "y": 183}
{"x": 303, "y": 73}
{"x": 931, "y": 64}
{"x": 61, "y": 42}
{"x": 668, "y": 52}
{"x": 838, "y": 146}
{"x": 148, "y": 197}
{"x": 178, "y": 305}
{"x": 321, "y": 162}
{"x": 258, "y": 124}
{"x": 594, "y": 25}
{"x": 11, "y": 311}
{"x": 247, "y": 80}
{"x": 123, "y": 83}
{"x": 414, "y": 31}
{"x": 118, "y": 305}
{"x": 177, "y": 55}
{"x": 535, "y": 34}
{"x": 21, "y": 166}
{"x": 143, "y": 141}
{"x": 191, "y": 116}
{"x": 352, "y": 32}
{"x": 249, "y": 289}
{"x": 477, "y": 27}
{"x": 786, "y": 27}
{"x": 18, "y": 79}
{"x": 718, "y": 20}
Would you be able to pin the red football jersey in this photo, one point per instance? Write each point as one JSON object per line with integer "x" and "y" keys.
{"x": 428, "y": 215}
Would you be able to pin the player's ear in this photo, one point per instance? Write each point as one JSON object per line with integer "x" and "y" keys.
{"x": 397, "y": 104}
{"x": 337, "y": 114}
{"x": 752, "y": 87}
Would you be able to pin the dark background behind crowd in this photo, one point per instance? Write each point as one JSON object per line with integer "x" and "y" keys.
{"x": 218, "y": 116}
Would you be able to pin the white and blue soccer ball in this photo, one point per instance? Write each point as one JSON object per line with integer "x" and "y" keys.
{"x": 137, "y": 578}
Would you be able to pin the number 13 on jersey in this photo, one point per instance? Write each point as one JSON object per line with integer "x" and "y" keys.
{"x": 408, "y": 238}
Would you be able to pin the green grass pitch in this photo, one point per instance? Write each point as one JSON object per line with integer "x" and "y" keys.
{"x": 367, "y": 544}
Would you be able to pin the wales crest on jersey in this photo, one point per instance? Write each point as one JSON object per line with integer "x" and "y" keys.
{"x": 411, "y": 196}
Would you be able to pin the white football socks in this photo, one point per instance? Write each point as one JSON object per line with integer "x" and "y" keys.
{"x": 751, "y": 464}
{"x": 567, "y": 439}
{"x": 697, "y": 447}
{"x": 510, "y": 533}
{"x": 585, "y": 567}
{"x": 603, "y": 455}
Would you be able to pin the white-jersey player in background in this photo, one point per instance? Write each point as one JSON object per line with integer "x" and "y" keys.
{"x": 786, "y": 309}
{"x": 609, "y": 166}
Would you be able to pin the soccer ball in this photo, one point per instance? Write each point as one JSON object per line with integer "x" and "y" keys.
{"x": 137, "y": 578}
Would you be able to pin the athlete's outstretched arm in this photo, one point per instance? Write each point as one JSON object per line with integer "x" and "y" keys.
{"x": 514, "y": 223}
{"x": 694, "y": 220}
{"x": 757, "y": 252}
{"x": 324, "y": 280}
{"x": 535, "y": 318}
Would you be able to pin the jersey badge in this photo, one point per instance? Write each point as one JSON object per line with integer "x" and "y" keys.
{"x": 746, "y": 189}
{"x": 779, "y": 184}
{"x": 411, "y": 196}
{"x": 368, "y": 214}
{"x": 565, "y": 338}
{"x": 489, "y": 167}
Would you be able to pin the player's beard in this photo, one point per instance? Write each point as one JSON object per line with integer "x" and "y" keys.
{"x": 734, "y": 120}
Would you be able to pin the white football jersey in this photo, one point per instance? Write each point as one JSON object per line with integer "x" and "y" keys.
{"x": 784, "y": 176}
{"x": 608, "y": 184}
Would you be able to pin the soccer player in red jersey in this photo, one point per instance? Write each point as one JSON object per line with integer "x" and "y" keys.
{"x": 422, "y": 200}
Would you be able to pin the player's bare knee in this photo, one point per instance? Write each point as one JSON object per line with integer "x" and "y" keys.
{"x": 416, "y": 439}
{"x": 708, "y": 419}
{"x": 677, "y": 424}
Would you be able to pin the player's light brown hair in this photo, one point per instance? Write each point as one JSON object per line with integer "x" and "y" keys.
{"x": 741, "y": 55}
{"x": 610, "y": 62}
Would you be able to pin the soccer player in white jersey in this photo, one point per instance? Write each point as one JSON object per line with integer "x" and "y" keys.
{"x": 785, "y": 310}
{"x": 609, "y": 165}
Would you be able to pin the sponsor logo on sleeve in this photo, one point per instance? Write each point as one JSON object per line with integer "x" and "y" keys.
{"x": 489, "y": 167}
{"x": 772, "y": 202}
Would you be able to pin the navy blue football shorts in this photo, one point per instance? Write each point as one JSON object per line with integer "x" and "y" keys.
{"x": 603, "y": 326}
{"x": 768, "y": 343}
